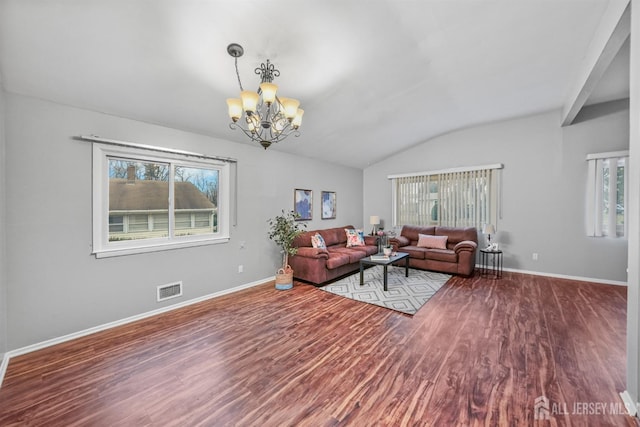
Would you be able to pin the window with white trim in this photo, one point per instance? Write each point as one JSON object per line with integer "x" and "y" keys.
{"x": 462, "y": 197}
{"x": 607, "y": 175}
{"x": 146, "y": 201}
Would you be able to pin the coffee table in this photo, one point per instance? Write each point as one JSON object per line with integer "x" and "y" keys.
{"x": 385, "y": 263}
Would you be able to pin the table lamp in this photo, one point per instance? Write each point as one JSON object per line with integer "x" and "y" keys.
{"x": 374, "y": 220}
{"x": 489, "y": 229}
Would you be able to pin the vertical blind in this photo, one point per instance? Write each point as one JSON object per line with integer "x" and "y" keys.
{"x": 456, "y": 198}
{"x": 607, "y": 194}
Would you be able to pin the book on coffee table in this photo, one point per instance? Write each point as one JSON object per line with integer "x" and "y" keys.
{"x": 379, "y": 258}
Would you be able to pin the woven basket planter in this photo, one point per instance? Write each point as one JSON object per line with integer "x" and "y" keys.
{"x": 284, "y": 278}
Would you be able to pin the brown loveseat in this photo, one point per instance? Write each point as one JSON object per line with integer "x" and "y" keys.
{"x": 321, "y": 265}
{"x": 459, "y": 256}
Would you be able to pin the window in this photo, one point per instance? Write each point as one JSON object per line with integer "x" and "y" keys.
{"x": 607, "y": 194}
{"x": 147, "y": 201}
{"x": 456, "y": 198}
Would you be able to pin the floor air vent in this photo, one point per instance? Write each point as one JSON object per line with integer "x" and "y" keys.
{"x": 171, "y": 290}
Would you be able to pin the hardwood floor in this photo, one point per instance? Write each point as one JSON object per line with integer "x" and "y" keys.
{"x": 478, "y": 353}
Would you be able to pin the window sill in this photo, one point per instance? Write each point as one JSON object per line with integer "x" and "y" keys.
{"x": 123, "y": 251}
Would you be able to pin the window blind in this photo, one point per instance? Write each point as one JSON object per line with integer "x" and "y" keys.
{"x": 607, "y": 194}
{"x": 456, "y": 197}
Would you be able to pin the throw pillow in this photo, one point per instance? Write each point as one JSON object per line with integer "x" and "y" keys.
{"x": 354, "y": 237}
{"x": 432, "y": 242}
{"x": 317, "y": 242}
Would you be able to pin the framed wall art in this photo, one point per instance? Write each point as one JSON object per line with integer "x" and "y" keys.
{"x": 328, "y": 204}
{"x": 303, "y": 204}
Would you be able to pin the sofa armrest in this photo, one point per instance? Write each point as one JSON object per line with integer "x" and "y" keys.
{"x": 308, "y": 252}
{"x": 399, "y": 241}
{"x": 465, "y": 246}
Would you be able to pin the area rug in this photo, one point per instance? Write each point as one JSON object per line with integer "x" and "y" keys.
{"x": 405, "y": 294}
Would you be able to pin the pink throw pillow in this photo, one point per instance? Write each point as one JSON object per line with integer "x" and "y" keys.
{"x": 432, "y": 242}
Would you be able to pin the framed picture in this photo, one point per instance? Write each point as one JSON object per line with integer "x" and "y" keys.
{"x": 303, "y": 204}
{"x": 328, "y": 205}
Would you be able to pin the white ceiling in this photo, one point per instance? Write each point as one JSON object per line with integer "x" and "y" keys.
{"x": 373, "y": 77}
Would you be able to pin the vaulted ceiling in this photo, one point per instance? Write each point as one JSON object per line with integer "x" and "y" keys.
{"x": 374, "y": 77}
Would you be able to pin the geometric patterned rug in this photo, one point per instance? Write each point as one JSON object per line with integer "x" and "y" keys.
{"x": 405, "y": 294}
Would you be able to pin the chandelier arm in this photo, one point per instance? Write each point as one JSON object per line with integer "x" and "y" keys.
{"x": 259, "y": 136}
{"x": 254, "y": 137}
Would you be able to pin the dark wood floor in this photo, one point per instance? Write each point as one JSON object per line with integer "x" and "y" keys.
{"x": 479, "y": 353}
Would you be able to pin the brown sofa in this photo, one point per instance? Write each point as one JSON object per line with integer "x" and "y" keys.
{"x": 459, "y": 257}
{"x": 321, "y": 265}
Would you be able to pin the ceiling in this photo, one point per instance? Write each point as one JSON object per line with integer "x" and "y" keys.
{"x": 373, "y": 78}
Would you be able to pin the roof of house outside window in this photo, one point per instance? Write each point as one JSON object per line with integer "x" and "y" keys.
{"x": 153, "y": 195}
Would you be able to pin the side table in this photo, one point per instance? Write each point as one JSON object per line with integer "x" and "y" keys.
{"x": 491, "y": 263}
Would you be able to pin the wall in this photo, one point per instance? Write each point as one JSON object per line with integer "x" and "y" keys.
{"x": 544, "y": 181}
{"x": 3, "y": 264}
{"x": 55, "y": 287}
{"x": 633, "y": 291}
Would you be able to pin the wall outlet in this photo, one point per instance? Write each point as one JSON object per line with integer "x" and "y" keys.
{"x": 240, "y": 268}
{"x": 535, "y": 256}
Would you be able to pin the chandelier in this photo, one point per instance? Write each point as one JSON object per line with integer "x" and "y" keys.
{"x": 268, "y": 118}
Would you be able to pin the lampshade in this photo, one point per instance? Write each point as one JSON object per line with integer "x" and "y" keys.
{"x": 374, "y": 220}
{"x": 249, "y": 100}
{"x": 489, "y": 229}
{"x": 290, "y": 107}
{"x": 268, "y": 92}
{"x": 235, "y": 108}
{"x": 298, "y": 119}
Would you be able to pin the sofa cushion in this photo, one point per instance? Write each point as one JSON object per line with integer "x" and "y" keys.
{"x": 333, "y": 236}
{"x": 414, "y": 251}
{"x": 441, "y": 255}
{"x": 337, "y": 259}
{"x": 411, "y": 232}
{"x": 317, "y": 241}
{"x": 434, "y": 242}
{"x": 304, "y": 239}
{"x": 366, "y": 250}
{"x": 354, "y": 237}
{"x": 457, "y": 235}
{"x": 353, "y": 254}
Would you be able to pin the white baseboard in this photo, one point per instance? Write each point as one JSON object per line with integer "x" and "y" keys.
{"x": 629, "y": 404}
{"x": 48, "y": 343}
{"x": 564, "y": 276}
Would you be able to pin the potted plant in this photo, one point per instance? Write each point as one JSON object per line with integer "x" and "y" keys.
{"x": 283, "y": 229}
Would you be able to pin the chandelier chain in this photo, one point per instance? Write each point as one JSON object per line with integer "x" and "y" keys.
{"x": 238, "y": 74}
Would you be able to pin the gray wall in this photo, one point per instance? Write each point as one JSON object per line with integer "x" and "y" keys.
{"x": 543, "y": 193}
{"x": 3, "y": 264}
{"x": 55, "y": 287}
